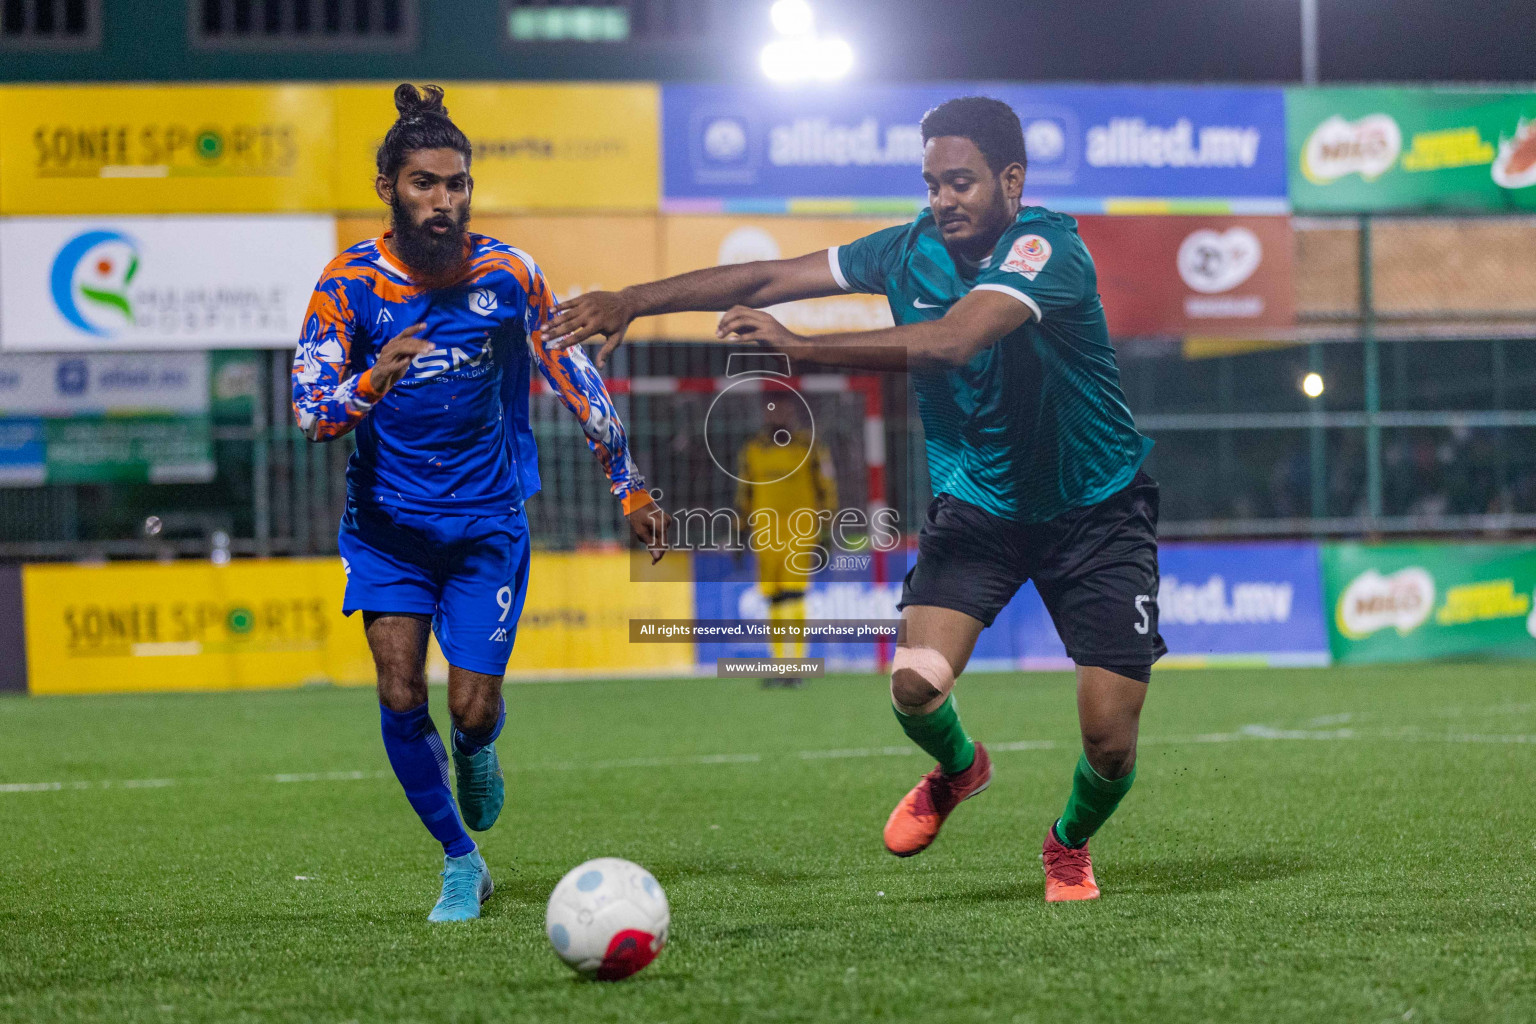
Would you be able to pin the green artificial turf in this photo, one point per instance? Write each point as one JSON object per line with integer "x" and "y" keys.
{"x": 1309, "y": 845}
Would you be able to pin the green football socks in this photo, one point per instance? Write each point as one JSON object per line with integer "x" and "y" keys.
{"x": 1094, "y": 798}
{"x": 941, "y": 735}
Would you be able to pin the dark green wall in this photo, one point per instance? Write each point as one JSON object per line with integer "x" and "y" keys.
{"x": 146, "y": 40}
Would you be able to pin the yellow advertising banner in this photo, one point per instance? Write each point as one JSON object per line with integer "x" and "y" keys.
{"x": 189, "y": 626}
{"x": 538, "y": 147}
{"x": 689, "y": 243}
{"x": 88, "y": 149}
{"x": 577, "y": 253}
{"x": 263, "y": 623}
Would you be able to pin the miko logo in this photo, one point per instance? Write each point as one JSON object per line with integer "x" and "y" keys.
{"x": 1374, "y": 602}
{"x": 483, "y": 301}
{"x": 90, "y": 279}
{"x": 1337, "y": 148}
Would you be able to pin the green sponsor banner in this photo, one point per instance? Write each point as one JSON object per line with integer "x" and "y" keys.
{"x": 129, "y": 449}
{"x": 234, "y": 382}
{"x": 1365, "y": 150}
{"x": 1411, "y": 602}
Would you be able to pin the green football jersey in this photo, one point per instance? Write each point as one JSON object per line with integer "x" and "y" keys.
{"x": 1036, "y": 424}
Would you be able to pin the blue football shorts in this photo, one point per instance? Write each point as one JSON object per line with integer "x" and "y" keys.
{"x": 468, "y": 573}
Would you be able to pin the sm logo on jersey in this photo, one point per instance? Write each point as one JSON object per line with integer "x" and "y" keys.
{"x": 449, "y": 360}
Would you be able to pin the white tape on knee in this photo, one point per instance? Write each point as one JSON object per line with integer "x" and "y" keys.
{"x": 928, "y": 665}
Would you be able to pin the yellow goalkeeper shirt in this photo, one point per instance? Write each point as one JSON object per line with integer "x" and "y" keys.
{"x": 784, "y": 477}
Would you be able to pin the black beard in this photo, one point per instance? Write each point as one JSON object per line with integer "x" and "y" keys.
{"x": 977, "y": 251}
{"x": 428, "y": 254}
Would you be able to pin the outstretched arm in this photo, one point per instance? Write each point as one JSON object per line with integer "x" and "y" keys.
{"x": 757, "y": 284}
{"x": 577, "y": 383}
{"x": 976, "y": 322}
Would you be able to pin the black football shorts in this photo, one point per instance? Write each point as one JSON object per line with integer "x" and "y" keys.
{"x": 1095, "y": 568}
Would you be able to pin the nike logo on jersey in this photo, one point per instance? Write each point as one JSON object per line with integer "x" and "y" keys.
{"x": 920, "y": 304}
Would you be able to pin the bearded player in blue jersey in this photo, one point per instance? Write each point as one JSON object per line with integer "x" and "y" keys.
{"x": 422, "y": 343}
{"x": 1035, "y": 461}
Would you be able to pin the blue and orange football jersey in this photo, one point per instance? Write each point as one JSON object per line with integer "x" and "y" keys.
{"x": 452, "y": 435}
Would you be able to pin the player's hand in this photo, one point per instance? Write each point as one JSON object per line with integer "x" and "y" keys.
{"x": 651, "y": 525}
{"x": 753, "y": 325}
{"x": 395, "y": 358}
{"x": 586, "y": 316}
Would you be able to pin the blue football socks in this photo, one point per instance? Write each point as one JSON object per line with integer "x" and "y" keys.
{"x": 420, "y": 762}
{"x": 471, "y": 743}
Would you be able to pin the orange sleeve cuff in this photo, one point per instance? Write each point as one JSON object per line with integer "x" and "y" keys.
{"x": 634, "y": 500}
{"x": 365, "y": 389}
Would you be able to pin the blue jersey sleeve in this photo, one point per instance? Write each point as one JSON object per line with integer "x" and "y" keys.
{"x": 1044, "y": 267}
{"x": 578, "y": 385}
{"x": 865, "y": 265}
{"x": 329, "y": 399}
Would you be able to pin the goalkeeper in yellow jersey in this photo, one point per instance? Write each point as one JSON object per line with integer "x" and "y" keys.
{"x": 786, "y": 489}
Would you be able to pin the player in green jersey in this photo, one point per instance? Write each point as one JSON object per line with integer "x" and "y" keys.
{"x": 1035, "y": 460}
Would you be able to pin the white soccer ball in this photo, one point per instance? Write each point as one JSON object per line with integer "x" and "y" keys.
{"x": 607, "y": 918}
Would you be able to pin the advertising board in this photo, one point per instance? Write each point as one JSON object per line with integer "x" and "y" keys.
{"x": 1364, "y": 150}
{"x": 94, "y": 383}
{"x": 537, "y": 146}
{"x": 1259, "y": 603}
{"x": 1414, "y": 602}
{"x": 189, "y": 626}
{"x": 123, "y": 149}
{"x": 858, "y": 149}
{"x": 1219, "y": 604}
{"x": 123, "y": 283}
{"x": 277, "y": 622}
{"x": 1192, "y": 275}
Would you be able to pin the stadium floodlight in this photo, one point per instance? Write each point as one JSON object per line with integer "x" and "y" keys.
{"x": 824, "y": 59}
{"x": 792, "y": 18}
{"x": 1312, "y": 385}
{"x": 798, "y": 54}
{"x": 836, "y": 58}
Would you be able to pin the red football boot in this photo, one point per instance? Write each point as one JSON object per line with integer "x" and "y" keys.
{"x": 915, "y": 823}
{"x": 1068, "y": 871}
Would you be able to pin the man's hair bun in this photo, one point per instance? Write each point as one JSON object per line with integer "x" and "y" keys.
{"x": 423, "y": 124}
{"x": 412, "y": 102}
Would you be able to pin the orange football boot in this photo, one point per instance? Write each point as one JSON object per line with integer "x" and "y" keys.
{"x": 1068, "y": 871}
{"x": 915, "y": 823}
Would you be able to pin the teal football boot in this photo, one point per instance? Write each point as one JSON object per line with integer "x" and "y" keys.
{"x": 482, "y": 790}
{"x": 466, "y": 885}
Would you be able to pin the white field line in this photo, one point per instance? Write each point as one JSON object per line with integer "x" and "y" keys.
{"x": 50, "y": 787}
{"x": 327, "y": 776}
{"x": 1245, "y": 734}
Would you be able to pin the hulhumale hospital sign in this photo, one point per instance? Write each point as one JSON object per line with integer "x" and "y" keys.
{"x": 123, "y": 283}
